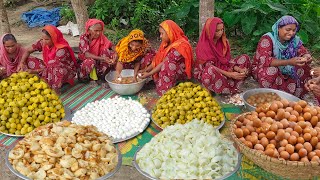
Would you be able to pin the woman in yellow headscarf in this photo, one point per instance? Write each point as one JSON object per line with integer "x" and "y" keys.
{"x": 134, "y": 52}
{"x": 173, "y": 61}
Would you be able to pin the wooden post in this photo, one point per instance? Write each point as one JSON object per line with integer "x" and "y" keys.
{"x": 206, "y": 10}
{"x": 80, "y": 10}
{"x": 5, "y": 26}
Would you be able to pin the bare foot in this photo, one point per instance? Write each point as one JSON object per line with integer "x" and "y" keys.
{"x": 93, "y": 84}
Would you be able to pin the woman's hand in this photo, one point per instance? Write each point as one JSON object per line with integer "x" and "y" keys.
{"x": 240, "y": 70}
{"x": 237, "y": 75}
{"x": 298, "y": 61}
{"x": 21, "y": 67}
{"x": 311, "y": 83}
{"x": 315, "y": 72}
{"x": 144, "y": 75}
{"x": 308, "y": 57}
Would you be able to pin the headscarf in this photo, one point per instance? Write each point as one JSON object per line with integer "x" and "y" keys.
{"x": 178, "y": 41}
{"x": 123, "y": 49}
{"x": 58, "y": 43}
{"x": 289, "y": 49}
{"x": 206, "y": 50}
{"x": 11, "y": 66}
{"x": 99, "y": 44}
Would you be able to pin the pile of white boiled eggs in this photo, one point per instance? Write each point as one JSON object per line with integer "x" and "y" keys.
{"x": 117, "y": 117}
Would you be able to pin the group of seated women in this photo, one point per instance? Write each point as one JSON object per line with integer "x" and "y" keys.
{"x": 280, "y": 62}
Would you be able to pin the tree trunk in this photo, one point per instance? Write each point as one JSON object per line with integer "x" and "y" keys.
{"x": 80, "y": 10}
{"x": 206, "y": 10}
{"x": 5, "y": 26}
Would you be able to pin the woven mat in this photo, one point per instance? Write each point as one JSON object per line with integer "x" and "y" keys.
{"x": 79, "y": 95}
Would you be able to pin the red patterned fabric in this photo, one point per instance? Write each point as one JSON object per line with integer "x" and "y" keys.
{"x": 271, "y": 77}
{"x": 215, "y": 81}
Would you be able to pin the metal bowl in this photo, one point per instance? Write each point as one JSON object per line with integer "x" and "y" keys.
{"x": 136, "y": 165}
{"x": 116, "y": 169}
{"x": 250, "y": 92}
{"x": 124, "y": 89}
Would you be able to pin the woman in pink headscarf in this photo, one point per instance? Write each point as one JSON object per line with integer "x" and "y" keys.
{"x": 95, "y": 52}
{"x": 214, "y": 67}
{"x": 10, "y": 56}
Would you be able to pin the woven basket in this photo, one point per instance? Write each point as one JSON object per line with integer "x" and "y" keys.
{"x": 286, "y": 169}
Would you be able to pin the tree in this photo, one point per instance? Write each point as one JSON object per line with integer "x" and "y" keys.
{"x": 81, "y": 12}
{"x": 206, "y": 10}
{"x": 5, "y": 26}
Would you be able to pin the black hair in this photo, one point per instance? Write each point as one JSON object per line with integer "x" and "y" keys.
{"x": 46, "y": 32}
{"x": 8, "y": 37}
{"x": 138, "y": 41}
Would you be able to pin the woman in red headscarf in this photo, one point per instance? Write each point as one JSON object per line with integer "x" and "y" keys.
{"x": 173, "y": 61}
{"x": 10, "y": 56}
{"x": 214, "y": 67}
{"x": 58, "y": 58}
{"x": 95, "y": 52}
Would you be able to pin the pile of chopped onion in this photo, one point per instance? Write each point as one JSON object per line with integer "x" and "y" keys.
{"x": 195, "y": 150}
{"x": 118, "y": 117}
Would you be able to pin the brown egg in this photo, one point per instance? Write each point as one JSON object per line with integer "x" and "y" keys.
{"x": 302, "y": 124}
{"x": 274, "y": 142}
{"x": 307, "y": 116}
{"x": 270, "y": 135}
{"x": 314, "y": 141}
{"x": 287, "y": 135}
{"x": 317, "y": 151}
{"x": 279, "y": 124}
{"x": 269, "y": 120}
{"x": 318, "y": 145}
{"x": 248, "y": 143}
{"x": 269, "y": 152}
{"x": 248, "y": 138}
{"x": 289, "y": 109}
{"x": 285, "y": 155}
{"x": 306, "y": 130}
{"x": 254, "y": 134}
{"x": 297, "y": 108}
{"x": 238, "y": 124}
{"x": 313, "y": 132}
{"x": 245, "y": 121}
{"x": 302, "y": 152}
{"x": 311, "y": 155}
{"x": 280, "y": 114}
{"x": 280, "y": 149}
{"x": 261, "y": 135}
{"x": 290, "y": 148}
{"x": 313, "y": 112}
{"x": 279, "y": 103}
{"x": 300, "y": 140}
{"x": 308, "y": 124}
{"x": 254, "y": 140}
{"x": 256, "y": 122}
{"x": 307, "y": 136}
{"x": 251, "y": 128}
{"x": 294, "y": 133}
{"x": 264, "y": 142}
{"x": 242, "y": 139}
{"x": 276, "y": 153}
{"x": 315, "y": 158}
{"x": 289, "y": 129}
{"x": 302, "y": 103}
{"x": 306, "y": 109}
{"x": 292, "y": 104}
{"x": 265, "y": 127}
{"x": 246, "y": 131}
{"x": 294, "y": 157}
{"x": 298, "y": 146}
{"x": 317, "y": 129}
{"x": 298, "y": 129}
{"x": 283, "y": 143}
{"x": 292, "y": 140}
{"x": 286, "y": 115}
{"x": 280, "y": 134}
{"x": 284, "y": 102}
{"x": 314, "y": 120}
{"x": 293, "y": 118}
{"x": 259, "y": 147}
{"x": 304, "y": 159}
{"x": 261, "y": 114}
{"x": 271, "y": 114}
{"x": 300, "y": 118}
{"x": 285, "y": 123}
{"x": 307, "y": 146}
{"x": 239, "y": 133}
{"x": 258, "y": 130}
{"x": 274, "y": 127}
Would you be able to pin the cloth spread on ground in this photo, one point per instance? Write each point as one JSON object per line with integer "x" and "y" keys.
{"x": 41, "y": 17}
{"x": 79, "y": 95}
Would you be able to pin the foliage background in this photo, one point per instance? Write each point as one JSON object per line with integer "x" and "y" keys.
{"x": 245, "y": 20}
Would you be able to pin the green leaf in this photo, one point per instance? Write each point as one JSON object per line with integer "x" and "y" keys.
{"x": 248, "y": 23}
{"x": 304, "y": 36}
{"x": 277, "y": 7}
{"x": 244, "y": 8}
{"x": 230, "y": 19}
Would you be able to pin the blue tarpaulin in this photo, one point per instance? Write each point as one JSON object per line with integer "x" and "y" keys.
{"x": 41, "y": 17}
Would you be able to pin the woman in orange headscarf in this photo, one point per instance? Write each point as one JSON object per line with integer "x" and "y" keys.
{"x": 58, "y": 58}
{"x": 173, "y": 60}
{"x": 95, "y": 52}
{"x": 134, "y": 52}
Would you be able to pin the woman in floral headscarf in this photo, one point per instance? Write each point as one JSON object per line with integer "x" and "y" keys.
{"x": 214, "y": 67}
{"x": 134, "y": 52}
{"x": 95, "y": 53}
{"x": 60, "y": 65}
{"x": 173, "y": 61}
{"x": 281, "y": 61}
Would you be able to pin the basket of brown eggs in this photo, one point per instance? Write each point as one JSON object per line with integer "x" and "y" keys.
{"x": 281, "y": 137}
